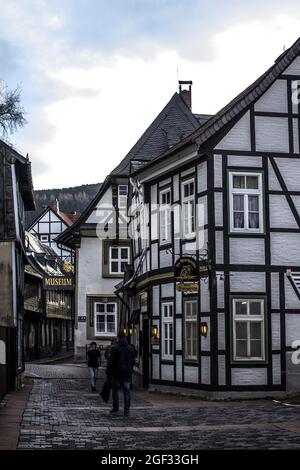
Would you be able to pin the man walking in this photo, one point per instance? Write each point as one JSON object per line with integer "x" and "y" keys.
{"x": 120, "y": 367}
{"x": 93, "y": 364}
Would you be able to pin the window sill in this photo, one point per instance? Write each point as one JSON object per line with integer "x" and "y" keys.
{"x": 117, "y": 276}
{"x": 105, "y": 335}
{"x": 191, "y": 362}
{"x": 249, "y": 362}
{"x": 246, "y": 233}
{"x": 189, "y": 237}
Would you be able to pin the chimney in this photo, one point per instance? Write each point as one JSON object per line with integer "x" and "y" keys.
{"x": 185, "y": 91}
{"x": 55, "y": 206}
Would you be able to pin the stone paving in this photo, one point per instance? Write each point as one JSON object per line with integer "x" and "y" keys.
{"x": 62, "y": 413}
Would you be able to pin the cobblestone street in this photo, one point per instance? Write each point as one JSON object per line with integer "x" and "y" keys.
{"x": 62, "y": 413}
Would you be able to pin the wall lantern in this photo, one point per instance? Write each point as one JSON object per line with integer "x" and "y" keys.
{"x": 154, "y": 331}
{"x": 125, "y": 331}
{"x": 203, "y": 329}
{"x": 130, "y": 331}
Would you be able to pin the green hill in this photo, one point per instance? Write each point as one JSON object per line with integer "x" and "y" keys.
{"x": 74, "y": 199}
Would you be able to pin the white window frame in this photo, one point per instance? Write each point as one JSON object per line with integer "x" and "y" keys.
{"x": 190, "y": 320}
{"x": 164, "y": 218}
{"x": 248, "y": 319}
{"x": 189, "y": 202}
{"x": 167, "y": 330}
{"x": 118, "y": 260}
{"x": 122, "y": 197}
{"x": 246, "y": 192}
{"x": 105, "y": 313}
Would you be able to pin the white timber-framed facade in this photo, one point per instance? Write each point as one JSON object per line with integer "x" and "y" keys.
{"x": 100, "y": 236}
{"x": 242, "y": 168}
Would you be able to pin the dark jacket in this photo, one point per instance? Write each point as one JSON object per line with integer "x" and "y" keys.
{"x": 121, "y": 360}
{"x": 93, "y": 356}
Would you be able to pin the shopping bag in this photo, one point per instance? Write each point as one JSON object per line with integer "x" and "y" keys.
{"x": 105, "y": 392}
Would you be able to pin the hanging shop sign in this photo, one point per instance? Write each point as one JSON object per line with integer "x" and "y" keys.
{"x": 58, "y": 283}
{"x": 186, "y": 269}
{"x": 188, "y": 287}
{"x": 67, "y": 267}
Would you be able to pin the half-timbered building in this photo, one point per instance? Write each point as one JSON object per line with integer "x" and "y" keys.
{"x": 49, "y": 317}
{"x": 49, "y": 224}
{"x": 16, "y": 197}
{"x": 225, "y": 202}
{"x": 100, "y": 235}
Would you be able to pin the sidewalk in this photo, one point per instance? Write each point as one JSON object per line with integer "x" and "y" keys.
{"x": 50, "y": 359}
{"x": 11, "y": 413}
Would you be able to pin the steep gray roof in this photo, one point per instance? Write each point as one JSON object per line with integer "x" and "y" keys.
{"x": 237, "y": 105}
{"x": 173, "y": 123}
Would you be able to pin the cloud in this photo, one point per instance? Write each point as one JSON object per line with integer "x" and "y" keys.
{"x": 94, "y": 74}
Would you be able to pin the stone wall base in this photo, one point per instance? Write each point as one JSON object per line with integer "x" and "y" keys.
{"x": 215, "y": 395}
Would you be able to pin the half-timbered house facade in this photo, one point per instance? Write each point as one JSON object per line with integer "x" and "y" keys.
{"x": 227, "y": 200}
{"x": 49, "y": 224}
{"x": 100, "y": 235}
{"x": 48, "y": 294}
{"x": 16, "y": 197}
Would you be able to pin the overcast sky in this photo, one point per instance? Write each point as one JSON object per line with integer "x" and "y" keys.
{"x": 95, "y": 73}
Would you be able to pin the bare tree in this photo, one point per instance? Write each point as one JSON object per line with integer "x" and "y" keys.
{"x": 11, "y": 111}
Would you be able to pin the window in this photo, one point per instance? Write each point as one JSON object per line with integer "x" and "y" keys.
{"x": 122, "y": 196}
{"x": 44, "y": 238}
{"x": 165, "y": 215}
{"x": 248, "y": 329}
{"x": 246, "y": 210}
{"x": 191, "y": 330}
{"x": 118, "y": 258}
{"x": 167, "y": 331}
{"x": 105, "y": 318}
{"x": 188, "y": 208}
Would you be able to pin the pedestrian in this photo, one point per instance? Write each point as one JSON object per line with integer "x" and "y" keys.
{"x": 108, "y": 348}
{"x": 93, "y": 364}
{"x": 107, "y": 354}
{"x": 120, "y": 367}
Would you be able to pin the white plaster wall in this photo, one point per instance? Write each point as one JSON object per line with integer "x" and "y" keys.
{"x": 191, "y": 374}
{"x": 285, "y": 248}
{"x": 249, "y": 376}
{"x": 202, "y": 176}
{"x": 238, "y": 138}
{"x": 105, "y": 204}
{"x": 271, "y": 134}
{"x": 247, "y": 251}
{"x": 274, "y": 99}
{"x": 205, "y": 370}
{"x": 222, "y": 370}
{"x": 247, "y": 282}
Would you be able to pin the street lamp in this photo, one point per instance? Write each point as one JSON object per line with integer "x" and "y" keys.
{"x": 154, "y": 331}
{"x": 203, "y": 329}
